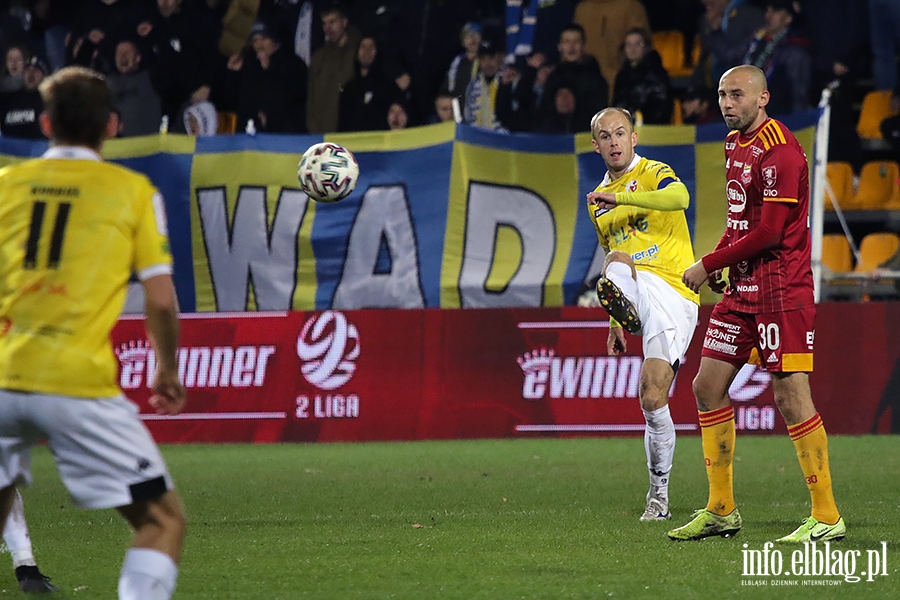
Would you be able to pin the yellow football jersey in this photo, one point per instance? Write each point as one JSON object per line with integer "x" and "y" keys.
{"x": 658, "y": 240}
{"x": 72, "y": 230}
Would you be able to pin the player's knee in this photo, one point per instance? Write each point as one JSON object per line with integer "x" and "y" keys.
{"x": 618, "y": 256}
{"x": 708, "y": 396}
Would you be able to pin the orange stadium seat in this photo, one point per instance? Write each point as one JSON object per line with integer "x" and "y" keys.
{"x": 670, "y": 46}
{"x": 877, "y": 185}
{"x": 876, "y": 248}
{"x": 840, "y": 178}
{"x": 836, "y": 254}
{"x": 876, "y": 107}
{"x": 227, "y": 122}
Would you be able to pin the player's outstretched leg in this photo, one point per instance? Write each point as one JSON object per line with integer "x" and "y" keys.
{"x": 150, "y": 570}
{"x": 613, "y": 289}
{"x": 15, "y": 534}
{"x": 659, "y": 434}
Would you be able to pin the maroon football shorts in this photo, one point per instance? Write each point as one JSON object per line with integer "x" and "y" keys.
{"x": 780, "y": 342}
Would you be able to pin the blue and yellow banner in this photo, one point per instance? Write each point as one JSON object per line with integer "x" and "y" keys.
{"x": 443, "y": 216}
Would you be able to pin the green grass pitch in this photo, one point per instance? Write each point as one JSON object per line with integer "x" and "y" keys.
{"x": 493, "y": 519}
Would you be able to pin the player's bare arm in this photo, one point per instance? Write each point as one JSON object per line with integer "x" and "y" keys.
{"x": 615, "y": 342}
{"x": 162, "y": 328}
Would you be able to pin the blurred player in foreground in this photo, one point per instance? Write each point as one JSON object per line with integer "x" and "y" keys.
{"x": 766, "y": 316}
{"x": 638, "y": 211}
{"x": 72, "y": 230}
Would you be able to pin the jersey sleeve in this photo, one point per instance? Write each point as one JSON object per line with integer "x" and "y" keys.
{"x": 780, "y": 170}
{"x": 152, "y": 255}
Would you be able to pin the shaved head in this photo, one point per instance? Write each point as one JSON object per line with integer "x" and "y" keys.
{"x": 753, "y": 78}
{"x": 743, "y": 96}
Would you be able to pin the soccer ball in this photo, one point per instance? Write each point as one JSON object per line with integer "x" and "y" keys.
{"x": 327, "y": 172}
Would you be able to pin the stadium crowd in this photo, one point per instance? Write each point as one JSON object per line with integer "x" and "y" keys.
{"x": 318, "y": 66}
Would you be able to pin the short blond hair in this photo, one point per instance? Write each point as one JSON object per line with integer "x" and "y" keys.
{"x": 618, "y": 109}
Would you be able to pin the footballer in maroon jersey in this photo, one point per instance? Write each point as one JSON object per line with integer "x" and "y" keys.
{"x": 767, "y": 313}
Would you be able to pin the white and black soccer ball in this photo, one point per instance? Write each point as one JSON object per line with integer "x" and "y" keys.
{"x": 327, "y": 172}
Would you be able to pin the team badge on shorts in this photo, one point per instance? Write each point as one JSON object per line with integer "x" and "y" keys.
{"x": 769, "y": 175}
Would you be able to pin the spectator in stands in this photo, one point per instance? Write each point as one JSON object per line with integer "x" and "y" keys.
{"x": 533, "y": 28}
{"x": 268, "y": 85}
{"x": 481, "y": 94}
{"x": 465, "y": 64}
{"x": 200, "y": 119}
{"x": 884, "y": 20}
{"x": 20, "y": 109}
{"x": 425, "y": 38}
{"x": 332, "y": 66}
{"x": 178, "y": 45}
{"x": 98, "y": 25}
{"x": 605, "y": 23}
{"x": 890, "y": 127}
{"x": 726, "y": 29}
{"x": 397, "y": 116}
{"x": 565, "y": 116}
{"x": 827, "y": 21}
{"x": 783, "y": 57}
{"x": 49, "y": 27}
{"x": 14, "y": 69}
{"x": 443, "y": 108}
{"x": 365, "y": 99}
{"x": 699, "y": 106}
{"x": 642, "y": 85}
{"x": 133, "y": 93}
{"x": 577, "y": 71}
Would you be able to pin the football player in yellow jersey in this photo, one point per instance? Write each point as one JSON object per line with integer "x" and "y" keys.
{"x": 72, "y": 230}
{"x": 638, "y": 211}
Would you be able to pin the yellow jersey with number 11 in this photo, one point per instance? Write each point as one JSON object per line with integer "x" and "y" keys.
{"x": 649, "y": 223}
{"x": 72, "y": 230}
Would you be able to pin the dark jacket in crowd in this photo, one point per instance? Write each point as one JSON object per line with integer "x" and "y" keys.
{"x": 585, "y": 79}
{"x": 136, "y": 100}
{"x": 19, "y": 111}
{"x": 365, "y": 100}
{"x": 645, "y": 87}
{"x": 117, "y": 21}
{"x": 279, "y": 92}
{"x": 180, "y": 53}
{"x": 785, "y": 61}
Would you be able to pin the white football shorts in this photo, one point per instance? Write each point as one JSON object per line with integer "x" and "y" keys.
{"x": 105, "y": 455}
{"x": 668, "y": 319}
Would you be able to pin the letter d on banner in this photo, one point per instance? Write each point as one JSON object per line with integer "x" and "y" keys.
{"x": 517, "y": 268}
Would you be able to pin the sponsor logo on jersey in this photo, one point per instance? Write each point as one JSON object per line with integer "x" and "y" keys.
{"x": 770, "y": 175}
{"x": 743, "y": 267}
{"x": 600, "y": 211}
{"x": 746, "y": 175}
{"x": 756, "y": 150}
{"x": 737, "y": 197}
{"x": 547, "y": 375}
{"x": 728, "y": 163}
{"x": 648, "y": 254}
{"x": 747, "y": 288}
{"x": 328, "y": 346}
{"x": 729, "y": 145}
{"x": 198, "y": 366}
{"x": 772, "y": 358}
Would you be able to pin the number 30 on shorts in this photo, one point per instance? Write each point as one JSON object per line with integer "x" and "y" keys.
{"x": 769, "y": 336}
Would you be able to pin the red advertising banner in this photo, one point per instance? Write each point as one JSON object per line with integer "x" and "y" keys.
{"x": 444, "y": 374}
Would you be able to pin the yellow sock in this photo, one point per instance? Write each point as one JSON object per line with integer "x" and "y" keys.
{"x": 717, "y": 431}
{"x": 811, "y": 443}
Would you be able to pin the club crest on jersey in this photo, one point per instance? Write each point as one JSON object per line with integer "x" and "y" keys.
{"x": 745, "y": 174}
{"x": 769, "y": 175}
{"x": 632, "y": 185}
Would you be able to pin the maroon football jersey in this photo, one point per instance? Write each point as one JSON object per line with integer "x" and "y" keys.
{"x": 768, "y": 165}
